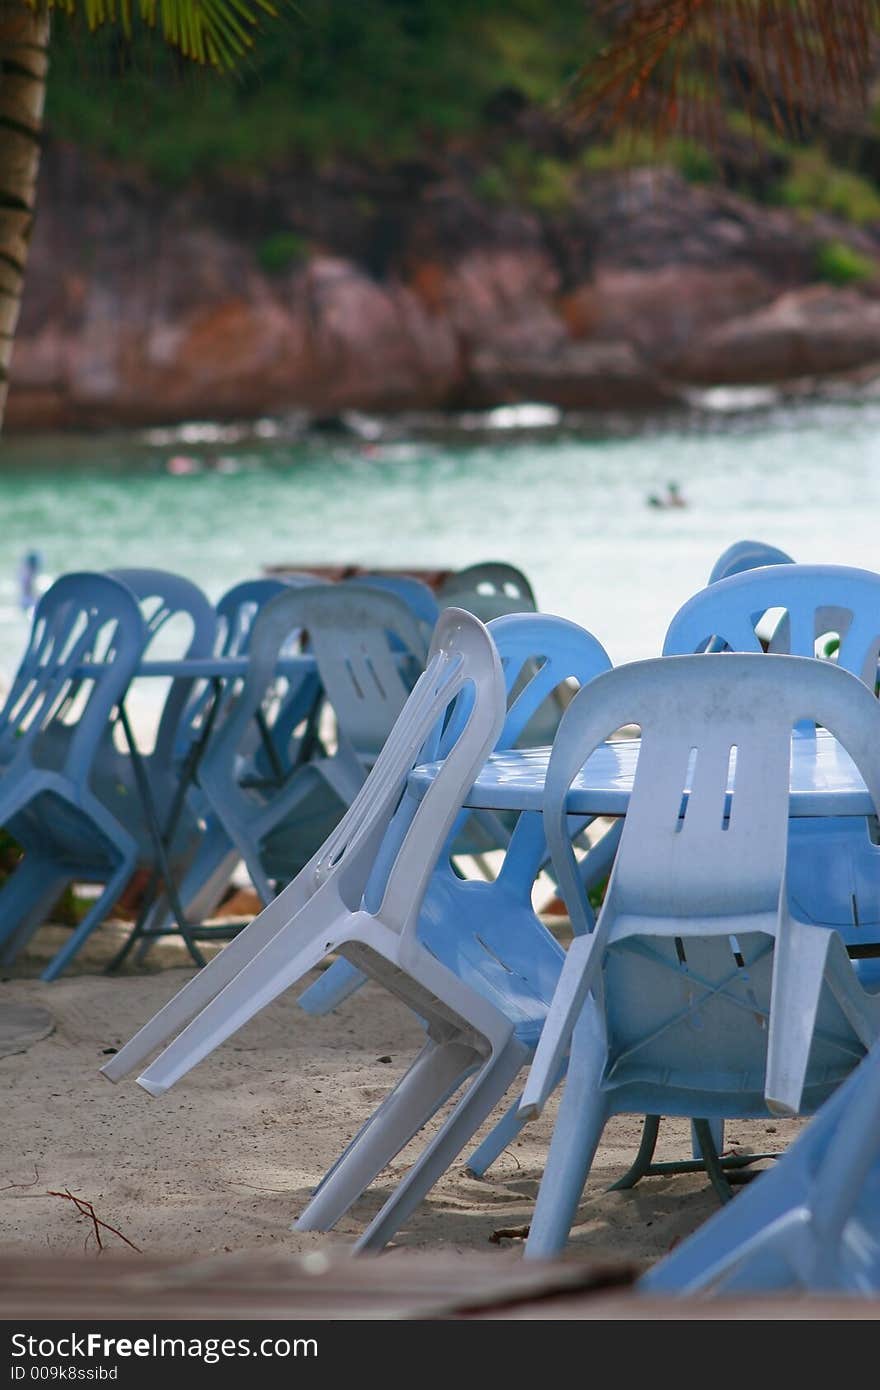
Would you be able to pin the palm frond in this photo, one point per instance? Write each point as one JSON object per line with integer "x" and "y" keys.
{"x": 665, "y": 60}
{"x": 215, "y": 32}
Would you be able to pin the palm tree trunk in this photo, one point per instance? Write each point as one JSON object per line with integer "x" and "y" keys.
{"x": 24, "y": 63}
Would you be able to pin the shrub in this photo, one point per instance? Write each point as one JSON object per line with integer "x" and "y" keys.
{"x": 814, "y": 183}
{"x": 839, "y": 264}
{"x": 637, "y": 151}
{"x": 281, "y": 252}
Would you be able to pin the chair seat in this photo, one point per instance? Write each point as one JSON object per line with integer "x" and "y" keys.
{"x": 499, "y": 948}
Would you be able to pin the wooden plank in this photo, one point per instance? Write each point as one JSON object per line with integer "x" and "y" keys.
{"x": 401, "y": 1284}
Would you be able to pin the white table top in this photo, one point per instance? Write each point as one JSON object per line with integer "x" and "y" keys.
{"x": 824, "y": 780}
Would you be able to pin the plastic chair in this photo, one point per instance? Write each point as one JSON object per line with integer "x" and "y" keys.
{"x": 747, "y": 555}
{"x": 416, "y": 595}
{"x": 276, "y": 824}
{"x": 52, "y": 730}
{"x": 537, "y": 652}
{"x": 833, "y": 864}
{"x": 810, "y": 1224}
{"x": 264, "y": 752}
{"x": 164, "y": 598}
{"x": 489, "y": 590}
{"x": 470, "y": 959}
{"x": 698, "y": 993}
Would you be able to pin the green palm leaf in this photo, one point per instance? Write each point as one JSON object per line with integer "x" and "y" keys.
{"x": 215, "y": 32}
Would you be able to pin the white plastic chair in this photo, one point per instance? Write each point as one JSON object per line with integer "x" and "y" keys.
{"x": 697, "y": 993}
{"x": 364, "y": 895}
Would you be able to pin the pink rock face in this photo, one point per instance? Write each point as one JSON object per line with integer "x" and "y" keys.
{"x": 810, "y": 332}
{"x": 143, "y": 306}
{"x": 661, "y": 311}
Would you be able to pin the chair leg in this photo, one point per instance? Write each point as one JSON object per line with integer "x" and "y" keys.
{"x": 798, "y": 971}
{"x": 93, "y": 919}
{"x": 335, "y": 985}
{"x": 483, "y": 1094}
{"x": 278, "y": 966}
{"x": 511, "y": 1124}
{"x": 26, "y": 899}
{"x": 716, "y": 1131}
{"x": 436, "y": 1073}
{"x": 579, "y": 1124}
{"x": 198, "y": 992}
{"x": 201, "y": 889}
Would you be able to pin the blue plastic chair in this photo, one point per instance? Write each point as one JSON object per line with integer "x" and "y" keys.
{"x": 53, "y": 728}
{"x": 489, "y": 590}
{"x": 262, "y": 757}
{"x": 276, "y": 824}
{"x": 833, "y": 865}
{"x": 166, "y": 599}
{"x": 276, "y": 738}
{"x": 747, "y": 555}
{"x": 698, "y": 993}
{"x": 810, "y": 1224}
{"x": 416, "y": 595}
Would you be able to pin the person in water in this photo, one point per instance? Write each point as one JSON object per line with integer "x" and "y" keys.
{"x": 673, "y": 498}
{"x": 28, "y": 574}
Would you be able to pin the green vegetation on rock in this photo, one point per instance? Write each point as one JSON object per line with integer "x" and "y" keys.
{"x": 840, "y": 264}
{"x": 814, "y": 183}
{"x": 282, "y": 251}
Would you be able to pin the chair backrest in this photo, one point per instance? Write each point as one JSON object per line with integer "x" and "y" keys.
{"x": 83, "y": 619}
{"x": 164, "y": 597}
{"x": 416, "y": 595}
{"x": 812, "y": 600}
{"x": 462, "y": 657}
{"x": 539, "y": 654}
{"x": 369, "y": 648}
{"x": 348, "y": 631}
{"x": 238, "y": 609}
{"x": 716, "y": 729}
{"x": 747, "y": 555}
{"x": 489, "y": 590}
{"x": 712, "y": 994}
{"x": 490, "y": 576}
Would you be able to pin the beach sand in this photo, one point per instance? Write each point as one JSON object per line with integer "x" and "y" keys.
{"x": 226, "y": 1160}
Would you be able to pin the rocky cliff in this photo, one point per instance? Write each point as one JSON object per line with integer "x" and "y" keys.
{"x": 406, "y": 289}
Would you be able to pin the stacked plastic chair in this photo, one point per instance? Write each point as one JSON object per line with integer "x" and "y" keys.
{"x": 85, "y": 643}
{"x": 489, "y": 590}
{"x": 833, "y": 864}
{"x": 698, "y": 993}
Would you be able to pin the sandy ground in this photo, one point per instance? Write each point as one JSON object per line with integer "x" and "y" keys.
{"x": 226, "y": 1160}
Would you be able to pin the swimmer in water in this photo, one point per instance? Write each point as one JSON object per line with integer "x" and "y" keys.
{"x": 28, "y": 580}
{"x": 673, "y": 498}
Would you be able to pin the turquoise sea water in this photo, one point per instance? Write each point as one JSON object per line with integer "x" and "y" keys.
{"x": 566, "y": 505}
